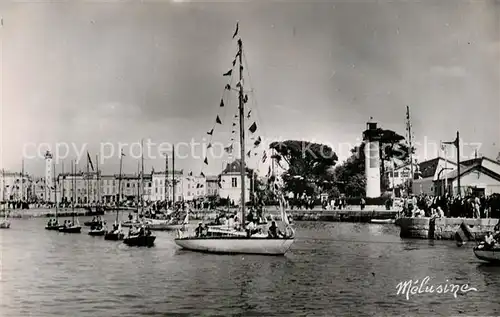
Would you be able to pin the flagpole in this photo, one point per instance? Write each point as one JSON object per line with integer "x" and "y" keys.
{"x": 22, "y": 181}
{"x": 63, "y": 181}
{"x": 457, "y": 143}
{"x": 446, "y": 168}
{"x": 87, "y": 179}
{"x": 98, "y": 185}
{"x": 173, "y": 177}
{"x": 165, "y": 180}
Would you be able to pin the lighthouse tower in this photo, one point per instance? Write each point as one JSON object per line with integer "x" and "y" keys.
{"x": 48, "y": 176}
{"x": 372, "y": 159}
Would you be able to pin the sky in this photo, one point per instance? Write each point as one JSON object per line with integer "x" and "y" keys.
{"x": 98, "y": 73}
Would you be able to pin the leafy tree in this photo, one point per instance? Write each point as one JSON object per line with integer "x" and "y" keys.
{"x": 350, "y": 176}
{"x": 308, "y": 167}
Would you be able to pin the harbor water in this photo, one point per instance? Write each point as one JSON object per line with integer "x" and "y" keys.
{"x": 333, "y": 269}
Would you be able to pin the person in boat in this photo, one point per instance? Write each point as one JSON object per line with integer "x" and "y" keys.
{"x": 489, "y": 240}
{"x": 274, "y": 231}
{"x": 199, "y": 230}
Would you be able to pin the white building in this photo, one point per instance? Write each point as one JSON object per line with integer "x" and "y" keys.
{"x": 231, "y": 183}
{"x": 14, "y": 186}
{"x": 193, "y": 187}
{"x": 162, "y": 188}
{"x": 479, "y": 176}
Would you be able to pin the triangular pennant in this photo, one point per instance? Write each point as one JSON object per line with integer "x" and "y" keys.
{"x": 241, "y": 68}
{"x": 258, "y": 142}
{"x": 249, "y": 112}
{"x": 234, "y": 62}
{"x": 228, "y": 73}
{"x": 202, "y": 175}
{"x": 245, "y": 99}
{"x": 228, "y": 87}
{"x": 190, "y": 174}
{"x": 248, "y": 154}
{"x": 253, "y": 128}
{"x": 209, "y": 145}
{"x": 211, "y": 132}
{"x": 222, "y": 103}
{"x": 217, "y": 120}
{"x": 233, "y": 131}
{"x": 264, "y": 157}
{"x": 206, "y": 161}
{"x": 234, "y": 124}
{"x": 236, "y": 31}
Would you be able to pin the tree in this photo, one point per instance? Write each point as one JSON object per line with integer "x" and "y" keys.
{"x": 350, "y": 176}
{"x": 308, "y": 165}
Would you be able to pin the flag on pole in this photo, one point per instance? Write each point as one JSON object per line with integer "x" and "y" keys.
{"x": 90, "y": 161}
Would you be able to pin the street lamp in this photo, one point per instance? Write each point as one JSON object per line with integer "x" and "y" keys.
{"x": 442, "y": 170}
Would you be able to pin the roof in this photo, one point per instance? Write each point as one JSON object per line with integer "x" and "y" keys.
{"x": 212, "y": 178}
{"x": 428, "y": 168}
{"x": 478, "y": 160}
{"x": 234, "y": 168}
{"x": 477, "y": 166}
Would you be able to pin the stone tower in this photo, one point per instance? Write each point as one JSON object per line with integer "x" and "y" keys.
{"x": 372, "y": 159}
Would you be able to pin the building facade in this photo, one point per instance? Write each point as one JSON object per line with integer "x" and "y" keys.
{"x": 429, "y": 172}
{"x": 15, "y": 186}
{"x": 212, "y": 186}
{"x": 231, "y": 183}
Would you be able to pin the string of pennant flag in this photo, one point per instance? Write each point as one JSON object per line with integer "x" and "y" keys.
{"x": 252, "y": 128}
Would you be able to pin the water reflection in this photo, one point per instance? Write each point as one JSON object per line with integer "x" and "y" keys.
{"x": 334, "y": 269}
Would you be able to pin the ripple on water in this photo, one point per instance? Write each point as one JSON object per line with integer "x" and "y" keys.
{"x": 50, "y": 274}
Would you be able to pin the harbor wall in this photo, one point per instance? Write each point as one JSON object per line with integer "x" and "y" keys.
{"x": 443, "y": 228}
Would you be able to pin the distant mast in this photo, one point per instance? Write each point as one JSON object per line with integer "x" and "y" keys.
{"x": 410, "y": 140}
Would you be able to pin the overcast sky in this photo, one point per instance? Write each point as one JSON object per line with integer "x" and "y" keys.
{"x": 119, "y": 72}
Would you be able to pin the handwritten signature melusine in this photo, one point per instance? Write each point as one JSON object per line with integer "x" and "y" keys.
{"x": 413, "y": 287}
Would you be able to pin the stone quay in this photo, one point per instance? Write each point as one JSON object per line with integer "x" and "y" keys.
{"x": 443, "y": 228}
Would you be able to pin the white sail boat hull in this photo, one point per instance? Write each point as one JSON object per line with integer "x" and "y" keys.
{"x": 236, "y": 245}
{"x": 4, "y": 224}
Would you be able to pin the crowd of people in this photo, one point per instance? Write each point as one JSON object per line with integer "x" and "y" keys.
{"x": 470, "y": 206}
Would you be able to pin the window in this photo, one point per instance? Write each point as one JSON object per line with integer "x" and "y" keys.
{"x": 396, "y": 174}
{"x": 405, "y": 174}
{"x": 234, "y": 182}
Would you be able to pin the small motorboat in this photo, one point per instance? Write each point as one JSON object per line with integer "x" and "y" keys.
{"x": 382, "y": 221}
{"x": 115, "y": 234}
{"x": 97, "y": 231}
{"x": 142, "y": 238}
{"x": 487, "y": 253}
{"x": 70, "y": 227}
{"x": 53, "y": 225}
{"x": 139, "y": 241}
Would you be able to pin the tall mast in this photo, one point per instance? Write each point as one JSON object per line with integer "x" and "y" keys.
{"x": 55, "y": 186}
{"x": 242, "y": 133}
{"x": 142, "y": 177}
{"x": 87, "y": 178}
{"x": 457, "y": 144}
{"x": 63, "y": 182}
{"x": 73, "y": 180}
{"x": 22, "y": 180}
{"x": 165, "y": 180}
{"x": 3, "y": 189}
{"x": 97, "y": 180}
{"x": 410, "y": 138}
{"x": 119, "y": 187}
{"x": 173, "y": 177}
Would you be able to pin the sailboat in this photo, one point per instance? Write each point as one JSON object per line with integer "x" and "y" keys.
{"x": 72, "y": 226}
{"x": 116, "y": 233}
{"x": 142, "y": 236}
{"x": 242, "y": 241}
{"x": 53, "y": 224}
